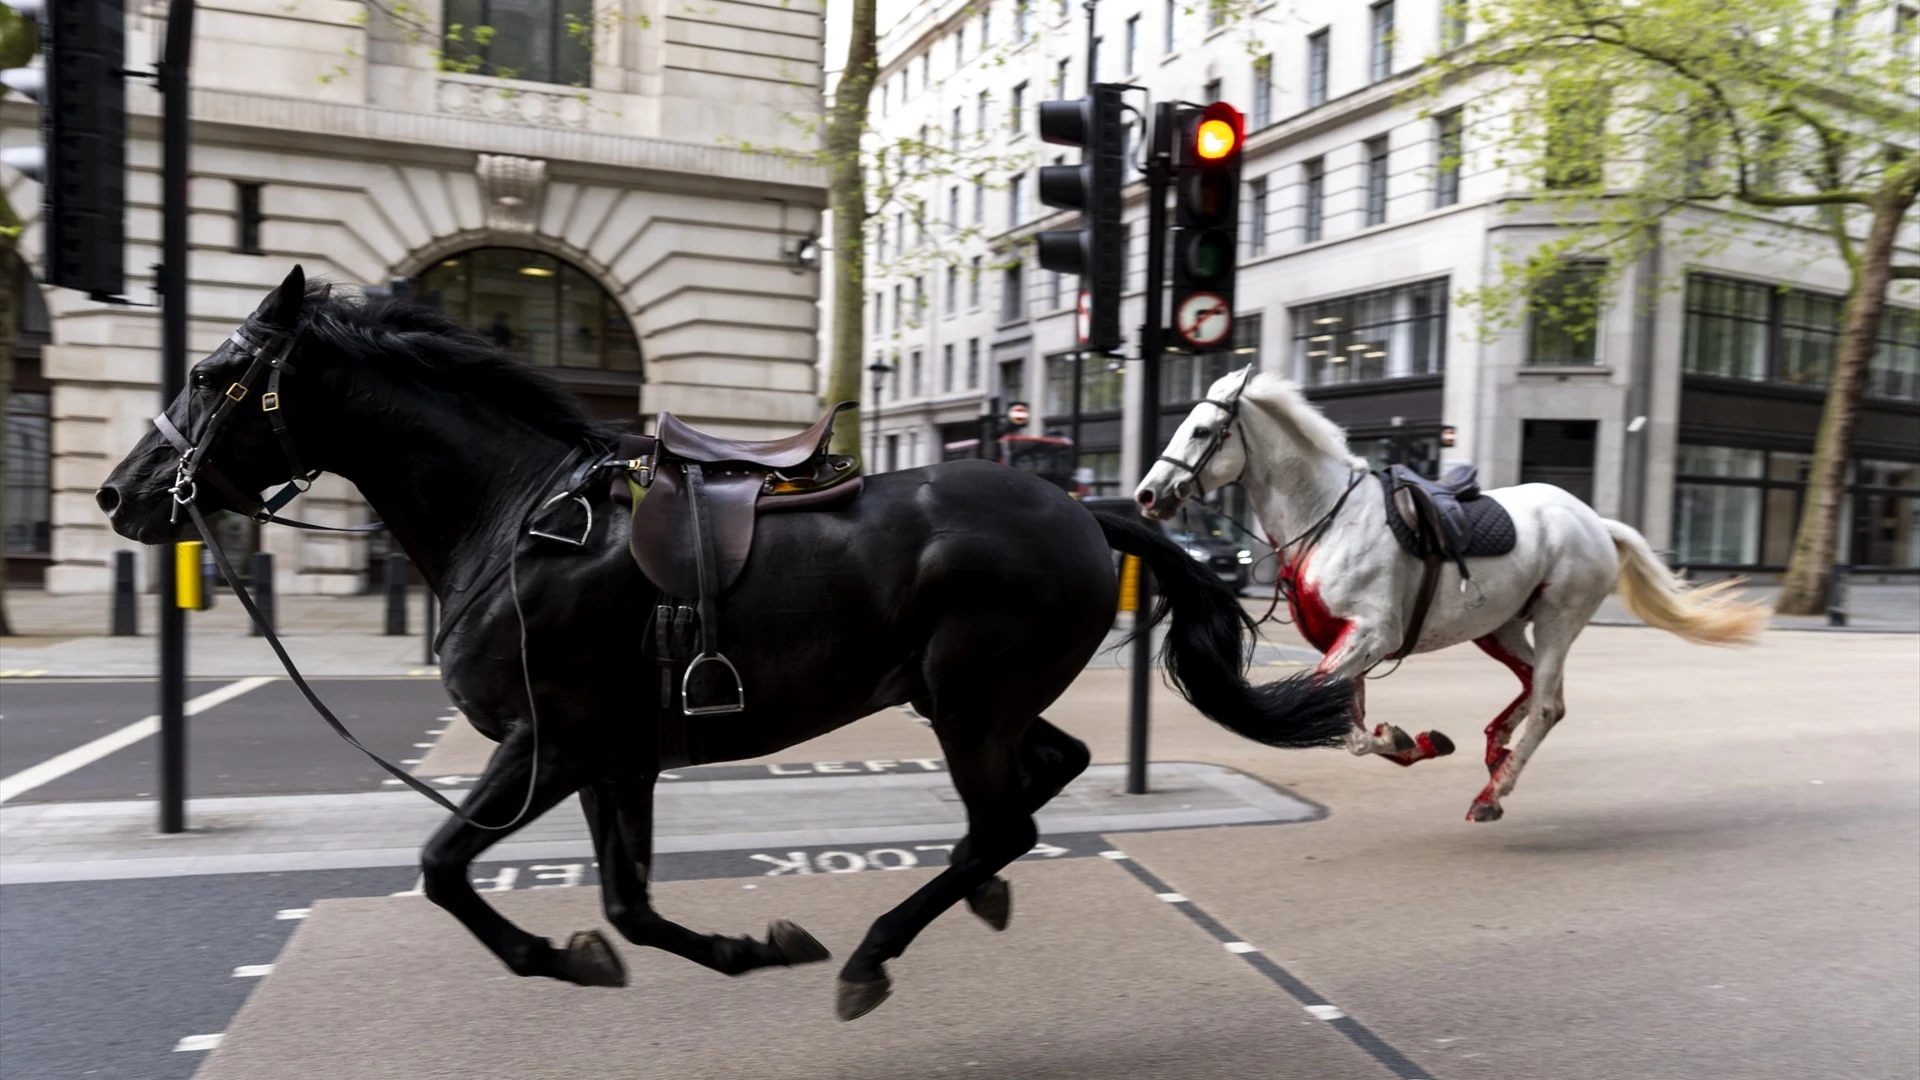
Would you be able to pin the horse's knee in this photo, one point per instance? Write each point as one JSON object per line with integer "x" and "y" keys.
{"x": 442, "y": 878}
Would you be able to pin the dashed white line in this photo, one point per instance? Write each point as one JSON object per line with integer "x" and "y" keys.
{"x": 1239, "y": 947}
{"x": 1172, "y": 897}
{"x": 198, "y": 1042}
{"x": 87, "y": 753}
{"x": 1115, "y": 855}
{"x": 423, "y": 746}
{"x": 411, "y": 760}
{"x": 293, "y": 913}
{"x": 1325, "y": 1012}
{"x": 252, "y": 971}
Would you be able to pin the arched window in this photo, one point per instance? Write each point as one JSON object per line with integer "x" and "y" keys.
{"x": 543, "y": 309}
{"x": 548, "y": 41}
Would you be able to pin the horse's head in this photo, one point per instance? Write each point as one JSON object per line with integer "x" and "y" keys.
{"x": 224, "y": 416}
{"x": 1204, "y": 455}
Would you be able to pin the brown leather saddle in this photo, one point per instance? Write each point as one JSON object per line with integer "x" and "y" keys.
{"x": 1441, "y": 521}
{"x": 695, "y": 497}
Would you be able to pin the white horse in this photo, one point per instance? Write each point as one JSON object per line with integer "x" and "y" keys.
{"x": 1353, "y": 590}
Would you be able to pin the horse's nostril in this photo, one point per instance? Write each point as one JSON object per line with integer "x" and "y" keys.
{"x": 108, "y": 499}
{"x": 1145, "y": 496}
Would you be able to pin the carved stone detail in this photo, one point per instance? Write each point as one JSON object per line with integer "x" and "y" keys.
{"x": 492, "y": 102}
{"x": 512, "y": 187}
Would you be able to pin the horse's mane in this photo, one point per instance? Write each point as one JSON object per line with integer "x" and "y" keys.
{"x": 1283, "y": 400}
{"x": 445, "y": 353}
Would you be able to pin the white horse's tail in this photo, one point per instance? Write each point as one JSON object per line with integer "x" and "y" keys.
{"x": 1704, "y": 613}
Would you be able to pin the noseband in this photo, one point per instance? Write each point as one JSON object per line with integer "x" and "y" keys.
{"x": 1221, "y": 434}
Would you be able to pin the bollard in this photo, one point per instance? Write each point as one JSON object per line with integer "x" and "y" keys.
{"x": 262, "y": 573}
{"x": 1837, "y": 596}
{"x": 210, "y": 579}
{"x": 396, "y": 595}
{"x": 126, "y": 603}
{"x": 426, "y": 637}
{"x": 188, "y": 584}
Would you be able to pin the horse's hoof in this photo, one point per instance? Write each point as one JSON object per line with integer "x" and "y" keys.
{"x": 1442, "y": 746}
{"x": 590, "y": 961}
{"x": 795, "y": 945}
{"x": 993, "y": 902}
{"x": 1484, "y": 811}
{"x": 857, "y": 999}
{"x": 1402, "y": 742}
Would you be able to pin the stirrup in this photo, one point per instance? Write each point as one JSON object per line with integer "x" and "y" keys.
{"x": 686, "y": 681}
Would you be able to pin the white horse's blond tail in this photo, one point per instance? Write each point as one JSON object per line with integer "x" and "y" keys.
{"x": 1661, "y": 598}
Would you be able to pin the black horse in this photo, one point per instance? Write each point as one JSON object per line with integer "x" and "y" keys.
{"x": 974, "y": 592}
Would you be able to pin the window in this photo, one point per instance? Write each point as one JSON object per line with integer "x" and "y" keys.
{"x": 885, "y": 87}
{"x": 1262, "y": 92}
{"x": 1013, "y": 379}
{"x": 926, "y": 71}
{"x": 1728, "y": 328}
{"x": 545, "y": 311}
{"x": 919, "y": 299}
{"x": 953, "y": 289}
{"x": 549, "y": 41}
{"x": 1563, "y": 315}
{"x": 893, "y": 441}
{"x": 246, "y": 214}
{"x": 1387, "y": 334}
{"x": 1210, "y": 92}
{"x": 1906, "y": 23}
{"x": 959, "y": 47}
{"x": 1133, "y": 44}
{"x": 899, "y": 305}
{"x": 973, "y": 363}
{"x": 1017, "y": 114}
{"x": 986, "y": 26}
{"x": 1576, "y": 129}
{"x": 1446, "y": 154}
{"x": 1173, "y": 25}
{"x": 1060, "y": 80}
{"x": 1380, "y": 57}
{"x": 1453, "y": 25}
{"x": 946, "y": 369}
{"x": 879, "y": 312}
{"x": 1313, "y": 202}
{"x": 920, "y": 150}
{"x": 1759, "y": 333}
{"x": 1317, "y": 68}
{"x": 1102, "y": 385}
{"x": 913, "y": 374}
{"x": 1013, "y": 294}
{"x": 1739, "y": 507}
{"x": 1257, "y": 216}
{"x": 1054, "y": 290}
{"x": 956, "y": 128}
{"x": 1022, "y": 20}
{"x": 973, "y": 285}
{"x": 981, "y": 111}
{"x": 953, "y": 206}
{"x": 1065, "y": 8}
{"x": 1809, "y": 337}
{"x": 1216, "y": 14}
{"x": 1186, "y": 377}
{"x": 1016, "y": 199}
{"x": 1376, "y": 150}
{"x": 979, "y": 200}
{"x": 29, "y": 473}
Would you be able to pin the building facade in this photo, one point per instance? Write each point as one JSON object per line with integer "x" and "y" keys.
{"x": 1688, "y": 409}
{"x": 587, "y": 183}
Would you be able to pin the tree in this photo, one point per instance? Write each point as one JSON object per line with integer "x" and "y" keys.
{"x": 19, "y": 40}
{"x": 1779, "y": 120}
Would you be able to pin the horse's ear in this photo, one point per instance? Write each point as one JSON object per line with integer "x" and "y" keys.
{"x": 282, "y": 305}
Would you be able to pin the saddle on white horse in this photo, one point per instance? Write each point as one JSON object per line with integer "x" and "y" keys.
{"x": 1440, "y": 521}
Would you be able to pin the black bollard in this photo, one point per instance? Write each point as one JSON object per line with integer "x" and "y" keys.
{"x": 210, "y": 580}
{"x": 426, "y": 637}
{"x": 262, "y": 574}
{"x": 396, "y": 595}
{"x": 126, "y": 603}
{"x": 1837, "y": 596}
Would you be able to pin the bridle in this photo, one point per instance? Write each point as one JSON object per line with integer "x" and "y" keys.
{"x": 1191, "y": 487}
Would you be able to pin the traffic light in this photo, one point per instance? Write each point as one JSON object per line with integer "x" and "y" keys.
{"x": 1205, "y": 237}
{"x": 1095, "y": 251}
{"x": 81, "y": 162}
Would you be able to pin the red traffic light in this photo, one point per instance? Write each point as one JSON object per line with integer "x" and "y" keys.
{"x": 1217, "y": 136}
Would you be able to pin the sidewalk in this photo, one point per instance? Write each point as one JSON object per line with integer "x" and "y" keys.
{"x": 63, "y": 636}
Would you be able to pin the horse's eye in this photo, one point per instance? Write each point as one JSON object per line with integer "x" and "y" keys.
{"x": 1202, "y": 433}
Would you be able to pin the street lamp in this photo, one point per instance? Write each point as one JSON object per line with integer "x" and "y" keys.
{"x": 880, "y": 371}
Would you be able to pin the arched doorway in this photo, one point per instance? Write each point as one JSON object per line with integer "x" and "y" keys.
{"x": 549, "y": 313}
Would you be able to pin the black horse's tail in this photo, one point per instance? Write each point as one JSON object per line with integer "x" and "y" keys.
{"x": 1210, "y": 641}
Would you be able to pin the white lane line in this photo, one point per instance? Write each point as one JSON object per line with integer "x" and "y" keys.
{"x": 1331, "y": 1012}
{"x": 198, "y": 1042}
{"x": 1172, "y": 897}
{"x": 293, "y": 913}
{"x": 252, "y": 971}
{"x": 59, "y": 765}
{"x": 1114, "y": 855}
{"x": 423, "y": 746}
{"x": 1240, "y": 947}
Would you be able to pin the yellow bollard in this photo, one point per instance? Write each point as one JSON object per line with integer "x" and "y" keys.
{"x": 1129, "y": 583}
{"x": 186, "y": 575}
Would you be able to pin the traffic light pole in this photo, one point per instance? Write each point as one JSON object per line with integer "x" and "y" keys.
{"x": 1159, "y": 166}
{"x": 173, "y": 378}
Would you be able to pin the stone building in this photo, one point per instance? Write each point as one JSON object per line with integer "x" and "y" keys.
{"x": 607, "y": 210}
{"x": 1691, "y": 416}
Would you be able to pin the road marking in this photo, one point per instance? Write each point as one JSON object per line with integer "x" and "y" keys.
{"x": 1173, "y": 897}
{"x": 423, "y": 746}
{"x": 252, "y": 971}
{"x": 198, "y": 1042}
{"x": 293, "y": 913}
{"x": 59, "y": 765}
{"x": 1330, "y": 1012}
{"x": 1239, "y": 947}
{"x": 411, "y": 760}
{"x": 1114, "y": 855}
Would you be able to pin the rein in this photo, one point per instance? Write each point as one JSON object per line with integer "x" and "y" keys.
{"x": 270, "y": 357}
{"x": 1231, "y": 407}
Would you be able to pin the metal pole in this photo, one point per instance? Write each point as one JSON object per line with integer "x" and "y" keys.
{"x": 396, "y": 594}
{"x": 262, "y": 589}
{"x": 173, "y": 378}
{"x": 1158, "y": 169}
{"x": 1091, "y": 38}
{"x": 1079, "y": 383}
{"x": 126, "y": 602}
{"x": 426, "y": 636}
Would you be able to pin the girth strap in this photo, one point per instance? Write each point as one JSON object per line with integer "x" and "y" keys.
{"x": 704, "y": 559}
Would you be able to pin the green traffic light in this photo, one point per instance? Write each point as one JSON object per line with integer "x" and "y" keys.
{"x": 1209, "y": 254}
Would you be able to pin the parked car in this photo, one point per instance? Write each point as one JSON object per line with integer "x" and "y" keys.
{"x": 1203, "y": 531}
